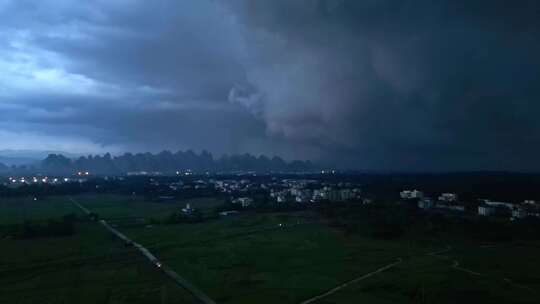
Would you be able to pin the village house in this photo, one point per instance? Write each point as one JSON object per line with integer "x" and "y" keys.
{"x": 448, "y": 197}
{"x": 425, "y": 203}
{"x": 411, "y": 194}
{"x": 243, "y": 201}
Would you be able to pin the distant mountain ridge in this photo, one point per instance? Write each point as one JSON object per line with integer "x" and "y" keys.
{"x": 168, "y": 162}
{"x": 11, "y": 157}
{"x": 17, "y": 161}
{"x": 3, "y": 167}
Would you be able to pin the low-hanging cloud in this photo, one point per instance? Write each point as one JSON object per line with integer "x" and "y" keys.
{"x": 418, "y": 85}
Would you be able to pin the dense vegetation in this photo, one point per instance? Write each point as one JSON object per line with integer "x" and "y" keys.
{"x": 3, "y": 168}
{"x": 394, "y": 221}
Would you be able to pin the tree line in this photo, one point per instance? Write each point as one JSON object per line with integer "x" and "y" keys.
{"x": 166, "y": 162}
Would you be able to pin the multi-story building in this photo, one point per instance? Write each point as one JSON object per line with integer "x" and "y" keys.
{"x": 411, "y": 194}
{"x": 425, "y": 203}
{"x": 243, "y": 201}
{"x": 486, "y": 210}
{"x": 448, "y": 197}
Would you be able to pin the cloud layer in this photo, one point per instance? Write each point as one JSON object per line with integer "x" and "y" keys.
{"x": 420, "y": 85}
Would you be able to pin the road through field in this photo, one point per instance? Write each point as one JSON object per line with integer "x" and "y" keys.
{"x": 457, "y": 266}
{"x": 201, "y": 296}
{"x": 363, "y": 277}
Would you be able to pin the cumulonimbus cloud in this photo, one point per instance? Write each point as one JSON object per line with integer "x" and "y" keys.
{"x": 417, "y": 85}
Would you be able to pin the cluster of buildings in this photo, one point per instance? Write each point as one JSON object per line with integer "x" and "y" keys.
{"x": 242, "y": 201}
{"x": 187, "y": 172}
{"x": 527, "y": 208}
{"x": 411, "y": 194}
{"x": 180, "y": 185}
{"x": 232, "y": 185}
{"x": 445, "y": 202}
{"x": 450, "y": 202}
{"x": 312, "y": 191}
{"x": 308, "y": 195}
{"x": 289, "y": 190}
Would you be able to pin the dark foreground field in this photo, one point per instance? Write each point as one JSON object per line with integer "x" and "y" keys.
{"x": 251, "y": 258}
{"x": 89, "y": 267}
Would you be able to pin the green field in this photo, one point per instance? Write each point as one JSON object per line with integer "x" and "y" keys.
{"x": 116, "y": 207}
{"x": 267, "y": 266}
{"x": 294, "y": 264}
{"x": 425, "y": 279}
{"x": 89, "y": 267}
{"x": 18, "y": 210}
{"x": 249, "y": 258}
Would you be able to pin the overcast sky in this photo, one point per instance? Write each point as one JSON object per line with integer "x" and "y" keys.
{"x": 383, "y": 85}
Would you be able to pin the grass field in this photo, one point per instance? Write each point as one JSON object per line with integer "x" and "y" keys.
{"x": 250, "y": 258}
{"x": 116, "y": 207}
{"x": 20, "y": 209}
{"x": 89, "y": 267}
{"x": 426, "y": 279}
{"x": 517, "y": 261}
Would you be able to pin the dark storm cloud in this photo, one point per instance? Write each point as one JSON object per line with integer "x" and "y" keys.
{"x": 415, "y": 85}
{"x": 124, "y": 74}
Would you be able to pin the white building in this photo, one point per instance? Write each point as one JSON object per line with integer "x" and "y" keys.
{"x": 448, "y": 197}
{"x": 295, "y": 191}
{"x": 346, "y": 194}
{"x": 519, "y": 213}
{"x": 301, "y": 199}
{"x": 425, "y": 203}
{"x": 500, "y": 204}
{"x": 486, "y": 210}
{"x": 528, "y": 208}
{"x": 188, "y": 209}
{"x": 228, "y": 213}
{"x": 366, "y": 201}
{"x": 243, "y": 201}
{"x": 280, "y": 198}
{"x": 452, "y": 207}
{"x": 334, "y": 196}
{"x": 319, "y": 195}
{"x": 411, "y": 194}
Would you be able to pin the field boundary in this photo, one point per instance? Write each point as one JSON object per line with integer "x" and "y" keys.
{"x": 457, "y": 266}
{"x": 353, "y": 281}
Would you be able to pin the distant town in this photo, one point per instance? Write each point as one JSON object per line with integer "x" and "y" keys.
{"x": 245, "y": 189}
{"x": 484, "y": 207}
